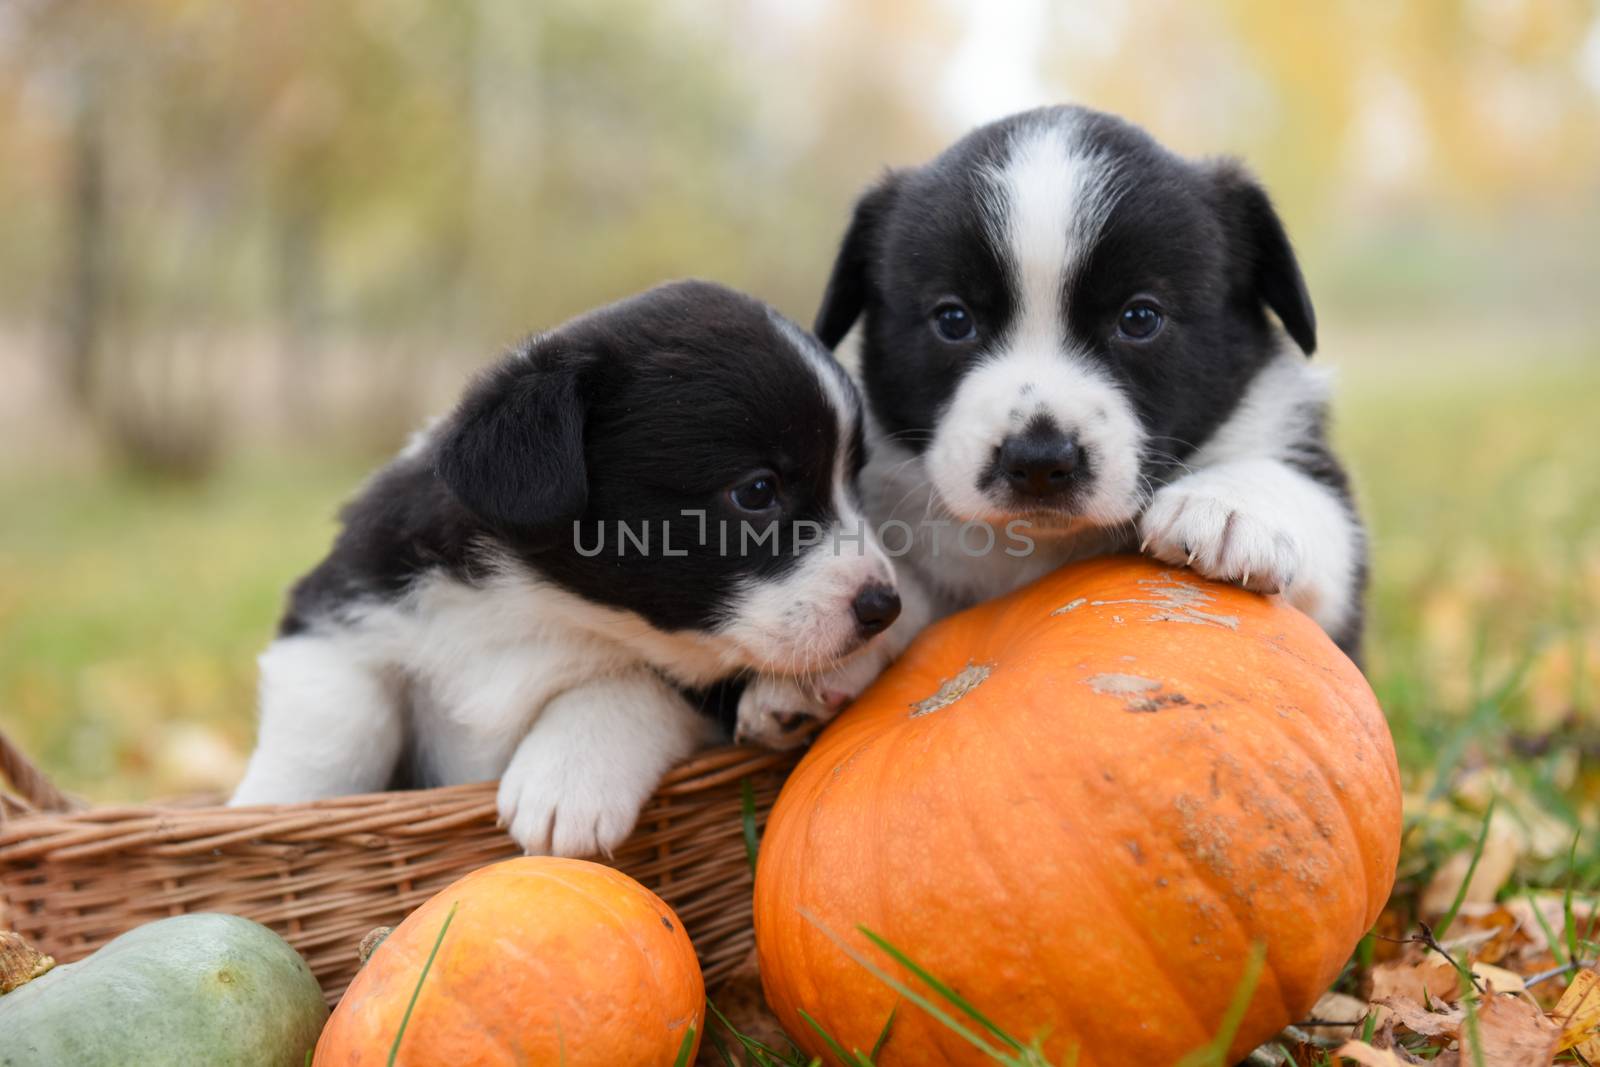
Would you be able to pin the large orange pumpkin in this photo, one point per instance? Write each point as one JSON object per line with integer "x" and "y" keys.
{"x": 547, "y": 961}
{"x": 1081, "y": 805}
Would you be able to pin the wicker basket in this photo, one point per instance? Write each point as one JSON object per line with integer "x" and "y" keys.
{"x": 323, "y": 874}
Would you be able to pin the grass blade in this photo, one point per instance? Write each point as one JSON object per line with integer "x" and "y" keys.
{"x": 940, "y": 988}
{"x": 405, "y": 1020}
{"x": 1472, "y": 1030}
{"x": 752, "y": 842}
{"x": 949, "y": 1021}
{"x": 1571, "y": 926}
{"x": 762, "y": 1054}
{"x": 686, "y": 1048}
{"x": 1550, "y": 938}
{"x": 883, "y": 1037}
{"x": 1472, "y": 868}
{"x": 1215, "y": 1053}
{"x": 837, "y": 1049}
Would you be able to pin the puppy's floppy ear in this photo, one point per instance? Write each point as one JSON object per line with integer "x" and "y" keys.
{"x": 1264, "y": 258}
{"x": 850, "y": 284}
{"x": 513, "y": 450}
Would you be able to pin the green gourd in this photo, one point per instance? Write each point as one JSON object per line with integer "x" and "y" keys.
{"x": 205, "y": 990}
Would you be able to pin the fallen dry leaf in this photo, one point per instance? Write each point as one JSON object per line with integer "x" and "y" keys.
{"x": 1549, "y": 909}
{"x": 1419, "y": 1020}
{"x": 1578, "y": 1015}
{"x": 1484, "y": 936}
{"x": 1510, "y": 1033}
{"x": 1367, "y": 1056}
{"x": 1420, "y": 981}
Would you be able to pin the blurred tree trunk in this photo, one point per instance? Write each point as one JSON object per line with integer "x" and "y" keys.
{"x": 88, "y": 242}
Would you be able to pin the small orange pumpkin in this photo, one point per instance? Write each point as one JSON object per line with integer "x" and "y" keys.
{"x": 1080, "y": 806}
{"x": 546, "y": 961}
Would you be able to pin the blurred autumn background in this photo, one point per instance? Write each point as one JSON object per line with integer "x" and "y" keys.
{"x": 247, "y": 246}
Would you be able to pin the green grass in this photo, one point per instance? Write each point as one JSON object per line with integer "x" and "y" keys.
{"x": 131, "y": 612}
{"x": 1483, "y": 494}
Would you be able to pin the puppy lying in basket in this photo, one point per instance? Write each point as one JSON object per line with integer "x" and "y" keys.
{"x": 657, "y": 496}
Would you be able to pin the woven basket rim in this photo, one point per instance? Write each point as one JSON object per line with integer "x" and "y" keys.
{"x": 51, "y": 827}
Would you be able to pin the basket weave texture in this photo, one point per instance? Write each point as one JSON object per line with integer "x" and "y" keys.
{"x": 323, "y": 874}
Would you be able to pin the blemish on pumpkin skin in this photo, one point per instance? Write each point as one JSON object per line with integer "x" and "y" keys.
{"x": 1207, "y": 839}
{"x": 1311, "y": 870}
{"x": 1178, "y": 601}
{"x": 953, "y": 689}
{"x": 1134, "y": 687}
{"x": 1138, "y": 853}
{"x": 1207, "y": 912}
{"x": 1071, "y": 605}
{"x": 1119, "y": 684}
{"x": 666, "y": 922}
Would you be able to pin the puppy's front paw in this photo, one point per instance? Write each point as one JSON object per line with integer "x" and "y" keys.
{"x": 1224, "y": 533}
{"x": 552, "y": 805}
{"x": 778, "y": 713}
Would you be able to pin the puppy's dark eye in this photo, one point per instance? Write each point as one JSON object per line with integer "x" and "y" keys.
{"x": 757, "y": 493}
{"x": 1140, "y": 320}
{"x": 953, "y": 322}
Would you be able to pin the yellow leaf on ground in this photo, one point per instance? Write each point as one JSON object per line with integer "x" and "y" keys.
{"x": 1510, "y": 1033}
{"x": 1578, "y": 1015}
{"x": 1498, "y": 979}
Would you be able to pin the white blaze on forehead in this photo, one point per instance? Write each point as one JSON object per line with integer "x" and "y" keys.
{"x": 1046, "y": 203}
{"x": 1048, "y": 200}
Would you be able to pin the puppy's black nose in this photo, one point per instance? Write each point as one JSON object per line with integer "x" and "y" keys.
{"x": 875, "y": 607}
{"x": 1039, "y": 465}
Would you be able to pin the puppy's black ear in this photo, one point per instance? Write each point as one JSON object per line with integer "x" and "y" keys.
{"x": 1265, "y": 259}
{"x": 850, "y": 284}
{"x": 513, "y": 450}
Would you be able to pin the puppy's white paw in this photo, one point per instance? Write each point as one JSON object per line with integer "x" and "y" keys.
{"x": 554, "y": 805}
{"x": 1224, "y": 533}
{"x": 779, "y": 712}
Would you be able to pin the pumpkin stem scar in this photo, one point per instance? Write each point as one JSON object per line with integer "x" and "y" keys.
{"x": 1178, "y": 601}
{"x": 953, "y": 689}
{"x": 20, "y": 962}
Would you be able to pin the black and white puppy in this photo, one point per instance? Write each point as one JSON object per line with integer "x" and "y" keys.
{"x": 658, "y": 494}
{"x": 1064, "y": 338}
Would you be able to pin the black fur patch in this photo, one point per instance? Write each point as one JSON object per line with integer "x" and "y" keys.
{"x": 632, "y": 415}
{"x": 1201, "y": 238}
